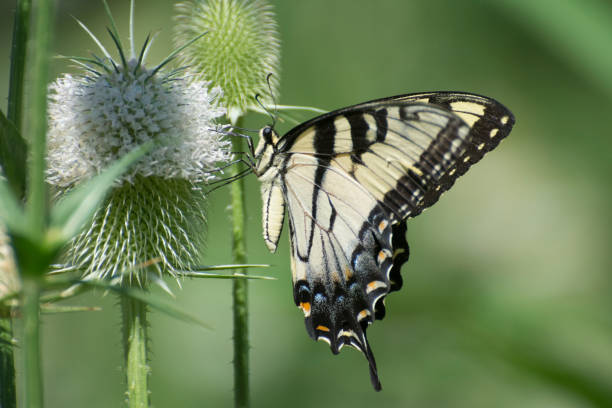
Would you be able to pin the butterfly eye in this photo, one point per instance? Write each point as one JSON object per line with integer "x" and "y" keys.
{"x": 267, "y": 134}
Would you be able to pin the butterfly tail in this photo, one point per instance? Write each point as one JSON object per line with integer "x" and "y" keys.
{"x": 360, "y": 342}
{"x": 367, "y": 352}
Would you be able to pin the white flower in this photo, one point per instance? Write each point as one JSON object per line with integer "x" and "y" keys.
{"x": 97, "y": 118}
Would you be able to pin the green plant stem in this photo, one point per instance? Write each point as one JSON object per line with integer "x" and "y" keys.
{"x": 8, "y": 394}
{"x": 7, "y": 364}
{"x": 37, "y": 115}
{"x": 240, "y": 290}
{"x": 42, "y": 24}
{"x": 135, "y": 324}
{"x": 31, "y": 327}
{"x": 18, "y": 62}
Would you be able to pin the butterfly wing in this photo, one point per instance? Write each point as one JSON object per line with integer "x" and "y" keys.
{"x": 342, "y": 253}
{"x": 350, "y": 179}
{"x": 385, "y": 120}
{"x": 490, "y": 122}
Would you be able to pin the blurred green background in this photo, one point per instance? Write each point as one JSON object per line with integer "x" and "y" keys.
{"x": 506, "y": 298}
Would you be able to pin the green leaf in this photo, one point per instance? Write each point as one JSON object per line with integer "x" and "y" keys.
{"x": 61, "y": 289}
{"x": 156, "y": 302}
{"x": 79, "y": 205}
{"x": 13, "y": 151}
{"x": 196, "y": 274}
{"x": 222, "y": 267}
{"x": 49, "y": 309}
{"x": 199, "y": 272}
{"x": 163, "y": 305}
{"x": 11, "y": 213}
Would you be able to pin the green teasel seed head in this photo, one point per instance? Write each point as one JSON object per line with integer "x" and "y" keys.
{"x": 145, "y": 229}
{"x": 240, "y": 51}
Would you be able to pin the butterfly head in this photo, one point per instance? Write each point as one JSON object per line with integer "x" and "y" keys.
{"x": 268, "y": 135}
{"x": 266, "y": 149}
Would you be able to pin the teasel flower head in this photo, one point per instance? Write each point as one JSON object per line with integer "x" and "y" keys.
{"x": 240, "y": 52}
{"x": 153, "y": 219}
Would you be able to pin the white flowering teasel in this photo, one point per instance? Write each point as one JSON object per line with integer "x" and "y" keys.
{"x": 154, "y": 216}
{"x": 95, "y": 120}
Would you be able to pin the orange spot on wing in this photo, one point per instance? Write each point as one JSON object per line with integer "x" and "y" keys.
{"x": 305, "y": 306}
{"x": 382, "y": 225}
{"x": 322, "y": 328}
{"x": 381, "y": 256}
{"x": 363, "y": 314}
{"x": 375, "y": 285}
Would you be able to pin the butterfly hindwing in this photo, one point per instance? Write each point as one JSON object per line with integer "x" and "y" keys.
{"x": 342, "y": 254}
{"x": 349, "y": 180}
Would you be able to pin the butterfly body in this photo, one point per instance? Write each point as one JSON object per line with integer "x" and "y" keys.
{"x": 348, "y": 181}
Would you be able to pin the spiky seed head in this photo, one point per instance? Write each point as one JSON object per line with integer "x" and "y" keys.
{"x": 240, "y": 50}
{"x": 153, "y": 219}
{"x": 146, "y": 228}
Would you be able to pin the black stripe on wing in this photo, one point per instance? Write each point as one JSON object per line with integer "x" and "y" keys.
{"x": 427, "y": 140}
{"x": 489, "y": 129}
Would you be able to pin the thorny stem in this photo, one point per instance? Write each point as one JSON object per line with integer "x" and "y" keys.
{"x": 18, "y": 62}
{"x": 8, "y": 398}
{"x": 240, "y": 290}
{"x": 31, "y": 328}
{"x": 135, "y": 351}
{"x": 37, "y": 118}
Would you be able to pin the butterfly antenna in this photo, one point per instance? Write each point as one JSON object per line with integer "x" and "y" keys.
{"x": 245, "y": 129}
{"x": 257, "y": 98}
{"x": 273, "y": 98}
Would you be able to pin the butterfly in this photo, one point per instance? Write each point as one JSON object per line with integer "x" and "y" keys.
{"x": 349, "y": 180}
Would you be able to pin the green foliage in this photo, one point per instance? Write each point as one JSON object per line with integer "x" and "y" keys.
{"x": 12, "y": 155}
{"x": 154, "y": 301}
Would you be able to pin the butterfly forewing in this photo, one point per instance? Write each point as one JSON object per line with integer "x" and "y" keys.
{"x": 490, "y": 122}
{"x": 349, "y": 180}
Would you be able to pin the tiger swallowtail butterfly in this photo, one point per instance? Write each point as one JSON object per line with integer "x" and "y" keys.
{"x": 349, "y": 180}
